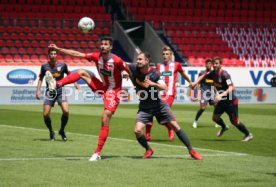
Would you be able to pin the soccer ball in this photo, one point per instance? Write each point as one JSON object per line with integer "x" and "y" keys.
{"x": 86, "y": 25}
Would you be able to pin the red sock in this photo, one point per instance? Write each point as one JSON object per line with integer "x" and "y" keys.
{"x": 102, "y": 138}
{"x": 71, "y": 78}
{"x": 148, "y": 128}
{"x": 92, "y": 86}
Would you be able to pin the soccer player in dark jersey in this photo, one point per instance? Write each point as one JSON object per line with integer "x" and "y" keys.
{"x": 204, "y": 91}
{"x": 225, "y": 99}
{"x": 57, "y": 69}
{"x": 109, "y": 67}
{"x": 148, "y": 84}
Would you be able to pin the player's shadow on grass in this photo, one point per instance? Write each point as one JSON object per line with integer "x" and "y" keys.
{"x": 159, "y": 140}
{"x": 48, "y": 140}
{"x": 138, "y": 157}
{"x": 220, "y": 140}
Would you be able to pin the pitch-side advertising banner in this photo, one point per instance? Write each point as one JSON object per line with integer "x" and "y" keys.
{"x": 26, "y": 95}
{"x": 241, "y": 77}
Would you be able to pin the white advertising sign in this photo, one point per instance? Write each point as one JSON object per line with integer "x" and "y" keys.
{"x": 26, "y": 95}
{"x": 241, "y": 77}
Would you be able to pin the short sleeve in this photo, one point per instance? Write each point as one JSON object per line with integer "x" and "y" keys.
{"x": 42, "y": 72}
{"x": 66, "y": 69}
{"x": 123, "y": 66}
{"x": 227, "y": 78}
{"x": 92, "y": 56}
{"x": 179, "y": 68}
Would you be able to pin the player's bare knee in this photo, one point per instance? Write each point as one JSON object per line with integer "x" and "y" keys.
{"x": 174, "y": 125}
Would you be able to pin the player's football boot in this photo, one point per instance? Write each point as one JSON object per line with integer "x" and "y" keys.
{"x": 195, "y": 124}
{"x": 148, "y": 137}
{"x": 222, "y": 130}
{"x": 171, "y": 134}
{"x": 63, "y": 136}
{"x": 195, "y": 155}
{"x": 148, "y": 153}
{"x": 50, "y": 81}
{"x": 95, "y": 157}
{"x": 248, "y": 138}
{"x": 52, "y": 136}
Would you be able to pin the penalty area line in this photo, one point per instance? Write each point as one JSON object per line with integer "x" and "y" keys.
{"x": 126, "y": 140}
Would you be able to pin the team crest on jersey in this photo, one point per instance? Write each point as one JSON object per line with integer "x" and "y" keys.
{"x": 58, "y": 68}
{"x": 167, "y": 73}
{"x": 110, "y": 66}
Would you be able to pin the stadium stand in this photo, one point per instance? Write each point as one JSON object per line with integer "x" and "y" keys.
{"x": 242, "y": 32}
{"x": 199, "y": 28}
{"x": 28, "y": 26}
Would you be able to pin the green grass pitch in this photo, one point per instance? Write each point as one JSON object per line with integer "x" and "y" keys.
{"x": 28, "y": 158}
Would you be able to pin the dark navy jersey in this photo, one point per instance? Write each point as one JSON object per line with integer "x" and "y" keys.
{"x": 58, "y": 71}
{"x": 221, "y": 81}
{"x": 205, "y": 84}
{"x": 149, "y": 97}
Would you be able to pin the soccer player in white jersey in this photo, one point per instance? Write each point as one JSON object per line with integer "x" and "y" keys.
{"x": 168, "y": 69}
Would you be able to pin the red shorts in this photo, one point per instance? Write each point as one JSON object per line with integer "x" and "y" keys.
{"x": 168, "y": 99}
{"x": 111, "y": 97}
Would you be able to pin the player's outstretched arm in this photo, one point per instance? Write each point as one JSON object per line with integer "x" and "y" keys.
{"x": 192, "y": 85}
{"x": 67, "y": 51}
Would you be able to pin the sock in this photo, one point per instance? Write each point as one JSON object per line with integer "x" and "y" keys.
{"x": 102, "y": 138}
{"x": 64, "y": 120}
{"x": 92, "y": 86}
{"x": 48, "y": 123}
{"x": 143, "y": 142}
{"x": 221, "y": 123}
{"x": 148, "y": 128}
{"x": 168, "y": 126}
{"x": 242, "y": 128}
{"x": 71, "y": 78}
{"x": 184, "y": 138}
{"x": 199, "y": 112}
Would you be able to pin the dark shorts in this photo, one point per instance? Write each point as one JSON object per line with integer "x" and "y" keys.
{"x": 51, "y": 98}
{"x": 163, "y": 114}
{"x": 205, "y": 99}
{"x": 230, "y": 107}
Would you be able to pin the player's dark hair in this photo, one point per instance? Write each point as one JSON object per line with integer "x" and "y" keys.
{"x": 208, "y": 60}
{"x": 108, "y": 38}
{"x": 217, "y": 58}
{"x": 146, "y": 54}
{"x": 52, "y": 49}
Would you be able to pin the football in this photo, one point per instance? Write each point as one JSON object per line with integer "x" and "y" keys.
{"x": 86, "y": 25}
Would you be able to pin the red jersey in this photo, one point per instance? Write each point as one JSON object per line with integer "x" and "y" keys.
{"x": 169, "y": 73}
{"x": 109, "y": 70}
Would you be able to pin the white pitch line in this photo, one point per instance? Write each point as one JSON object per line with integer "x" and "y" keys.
{"x": 126, "y": 140}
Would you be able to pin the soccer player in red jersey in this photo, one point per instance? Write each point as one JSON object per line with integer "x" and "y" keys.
{"x": 109, "y": 67}
{"x": 225, "y": 99}
{"x": 169, "y": 70}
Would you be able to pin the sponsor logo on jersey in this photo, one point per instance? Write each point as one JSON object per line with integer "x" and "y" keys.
{"x": 21, "y": 76}
{"x": 105, "y": 72}
{"x": 167, "y": 73}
